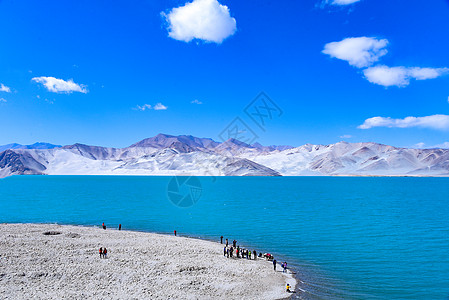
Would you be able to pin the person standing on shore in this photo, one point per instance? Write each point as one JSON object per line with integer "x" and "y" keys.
{"x": 101, "y": 252}
{"x": 221, "y": 240}
{"x": 274, "y": 264}
{"x": 255, "y": 254}
{"x": 104, "y": 226}
{"x": 224, "y": 251}
{"x": 238, "y": 251}
{"x": 284, "y": 265}
{"x": 234, "y": 243}
{"x": 174, "y": 232}
{"x": 227, "y": 242}
{"x": 231, "y": 251}
{"x": 119, "y": 226}
{"x": 105, "y": 253}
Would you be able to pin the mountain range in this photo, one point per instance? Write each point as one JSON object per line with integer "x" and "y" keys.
{"x": 188, "y": 155}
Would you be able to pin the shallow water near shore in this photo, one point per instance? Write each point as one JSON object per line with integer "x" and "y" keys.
{"x": 347, "y": 237}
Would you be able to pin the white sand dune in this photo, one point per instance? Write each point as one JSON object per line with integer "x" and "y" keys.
{"x": 139, "y": 266}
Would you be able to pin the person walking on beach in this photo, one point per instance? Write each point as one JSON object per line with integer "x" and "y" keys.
{"x": 104, "y": 226}
{"x": 119, "y": 226}
{"x": 105, "y": 253}
{"x": 221, "y": 240}
{"x": 224, "y": 251}
{"x": 274, "y": 264}
{"x": 284, "y": 265}
{"x": 174, "y": 232}
{"x": 227, "y": 252}
{"x": 101, "y": 252}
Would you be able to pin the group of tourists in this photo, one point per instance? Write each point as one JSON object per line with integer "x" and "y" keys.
{"x": 103, "y": 252}
{"x": 231, "y": 250}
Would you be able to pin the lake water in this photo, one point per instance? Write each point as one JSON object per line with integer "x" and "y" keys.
{"x": 347, "y": 237}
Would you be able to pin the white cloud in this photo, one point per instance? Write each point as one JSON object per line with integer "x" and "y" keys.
{"x": 421, "y": 145}
{"x": 4, "y": 88}
{"x": 443, "y": 145}
{"x": 158, "y": 106}
{"x": 205, "y": 20}
{"x": 433, "y": 122}
{"x": 56, "y": 85}
{"x": 196, "y": 101}
{"x": 346, "y": 136}
{"x": 359, "y": 52}
{"x": 344, "y": 2}
{"x": 3, "y": 100}
{"x": 144, "y": 107}
{"x": 401, "y": 76}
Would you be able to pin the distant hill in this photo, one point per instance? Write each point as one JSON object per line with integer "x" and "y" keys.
{"x": 33, "y": 146}
{"x": 188, "y": 155}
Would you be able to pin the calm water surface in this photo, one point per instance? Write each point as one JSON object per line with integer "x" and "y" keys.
{"x": 348, "y": 238}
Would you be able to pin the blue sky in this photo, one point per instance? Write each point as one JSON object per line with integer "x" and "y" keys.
{"x": 111, "y": 73}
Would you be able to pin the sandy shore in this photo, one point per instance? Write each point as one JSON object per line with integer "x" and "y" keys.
{"x": 139, "y": 266}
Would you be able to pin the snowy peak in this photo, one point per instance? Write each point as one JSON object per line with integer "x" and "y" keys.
{"x": 188, "y": 155}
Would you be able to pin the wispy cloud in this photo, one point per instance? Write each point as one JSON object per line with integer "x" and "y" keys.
{"x": 196, "y": 101}
{"x": 422, "y": 145}
{"x": 343, "y": 2}
{"x": 143, "y": 107}
{"x": 357, "y": 51}
{"x": 4, "y": 88}
{"x": 440, "y": 122}
{"x": 3, "y": 100}
{"x": 158, "y": 106}
{"x": 205, "y": 20}
{"x": 61, "y": 86}
{"x": 401, "y": 76}
{"x": 346, "y": 136}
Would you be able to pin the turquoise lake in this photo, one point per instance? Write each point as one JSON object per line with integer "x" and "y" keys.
{"x": 346, "y": 237}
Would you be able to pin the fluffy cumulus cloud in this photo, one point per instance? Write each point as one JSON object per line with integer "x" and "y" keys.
{"x": 158, "y": 106}
{"x": 401, "y": 76}
{"x": 434, "y": 122}
{"x": 205, "y": 20}
{"x": 359, "y": 52}
{"x": 61, "y": 86}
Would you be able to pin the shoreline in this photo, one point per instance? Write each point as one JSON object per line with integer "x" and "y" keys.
{"x": 192, "y": 267}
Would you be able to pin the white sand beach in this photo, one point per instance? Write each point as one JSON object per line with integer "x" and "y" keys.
{"x": 139, "y": 266}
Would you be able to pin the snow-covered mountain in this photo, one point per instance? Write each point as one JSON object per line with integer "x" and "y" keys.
{"x": 188, "y": 155}
{"x": 33, "y": 146}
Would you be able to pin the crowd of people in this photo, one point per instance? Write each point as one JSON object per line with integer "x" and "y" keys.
{"x": 229, "y": 251}
{"x": 234, "y": 250}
